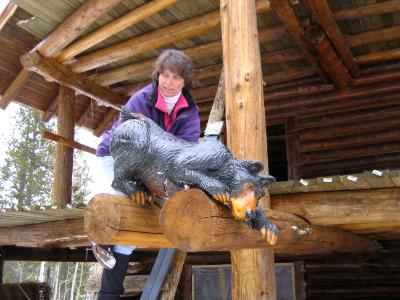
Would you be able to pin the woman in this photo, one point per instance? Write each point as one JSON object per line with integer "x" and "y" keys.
{"x": 167, "y": 102}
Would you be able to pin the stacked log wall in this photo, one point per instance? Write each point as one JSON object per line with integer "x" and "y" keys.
{"x": 347, "y": 142}
{"x": 376, "y": 278}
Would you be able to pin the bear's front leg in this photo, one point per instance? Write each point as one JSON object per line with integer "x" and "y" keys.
{"x": 133, "y": 189}
{"x": 261, "y": 223}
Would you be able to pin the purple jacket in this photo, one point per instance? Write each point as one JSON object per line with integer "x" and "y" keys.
{"x": 186, "y": 125}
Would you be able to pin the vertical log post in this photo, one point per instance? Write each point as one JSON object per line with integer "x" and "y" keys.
{"x": 253, "y": 271}
{"x": 64, "y": 154}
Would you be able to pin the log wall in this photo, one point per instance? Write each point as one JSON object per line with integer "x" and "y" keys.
{"x": 351, "y": 279}
{"x": 346, "y": 142}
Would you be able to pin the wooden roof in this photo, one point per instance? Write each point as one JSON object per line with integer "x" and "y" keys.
{"x": 369, "y": 30}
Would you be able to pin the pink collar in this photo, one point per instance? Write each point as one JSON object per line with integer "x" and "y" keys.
{"x": 162, "y": 106}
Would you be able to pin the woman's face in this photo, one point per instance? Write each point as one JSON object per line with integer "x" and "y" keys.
{"x": 170, "y": 83}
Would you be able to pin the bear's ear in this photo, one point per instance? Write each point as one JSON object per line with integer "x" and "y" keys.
{"x": 267, "y": 180}
{"x": 253, "y": 166}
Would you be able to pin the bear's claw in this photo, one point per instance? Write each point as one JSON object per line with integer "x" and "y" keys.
{"x": 140, "y": 198}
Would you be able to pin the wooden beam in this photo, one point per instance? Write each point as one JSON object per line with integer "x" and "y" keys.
{"x": 158, "y": 38}
{"x": 108, "y": 119}
{"x": 193, "y": 222}
{"x": 339, "y": 208}
{"x": 285, "y": 76}
{"x": 374, "y": 36}
{"x": 326, "y": 19}
{"x": 48, "y": 67}
{"x": 67, "y": 142}
{"x": 285, "y": 55}
{"x": 62, "y": 187}
{"x": 99, "y": 35}
{"x": 127, "y": 223}
{"x": 371, "y": 9}
{"x": 283, "y": 9}
{"x": 298, "y": 91}
{"x": 51, "y": 109}
{"x": 14, "y": 88}
{"x": 141, "y": 228}
{"x": 378, "y": 57}
{"x": 328, "y": 57}
{"x": 253, "y": 270}
{"x": 73, "y": 26}
{"x": 34, "y": 233}
{"x": 143, "y": 68}
{"x": 361, "y": 91}
{"x": 7, "y": 13}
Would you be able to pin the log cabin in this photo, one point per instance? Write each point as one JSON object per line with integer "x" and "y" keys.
{"x": 309, "y": 87}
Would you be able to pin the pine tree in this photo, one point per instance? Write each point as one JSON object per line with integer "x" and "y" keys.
{"x": 28, "y": 168}
{"x": 27, "y": 173}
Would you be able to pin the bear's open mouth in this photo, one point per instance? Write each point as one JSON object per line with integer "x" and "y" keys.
{"x": 244, "y": 206}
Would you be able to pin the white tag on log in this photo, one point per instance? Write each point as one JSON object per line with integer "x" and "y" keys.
{"x": 327, "y": 179}
{"x": 304, "y": 182}
{"x": 352, "y": 178}
{"x": 377, "y": 173}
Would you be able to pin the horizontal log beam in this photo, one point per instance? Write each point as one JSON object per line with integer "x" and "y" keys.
{"x": 372, "y": 9}
{"x": 377, "y": 57}
{"x": 116, "y": 220}
{"x": 374, "y": 36}
{"x": 334, "y": 208}
{"x": 358, "y": 152}
{"x": 73, "y": 26}
{"x": 48, "y": 67}
{"x": 70, "y": 143}
{"x": 193, "y": 222}
{"x": 198, "y": 52}
{"x": 164, "y": 36}
{"x": 14, "y": 88}
{"x": 43, "y": 232}
{"x": 113, "y": 27}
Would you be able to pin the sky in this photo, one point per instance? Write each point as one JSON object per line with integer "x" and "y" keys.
{"x": 6, "y": 124}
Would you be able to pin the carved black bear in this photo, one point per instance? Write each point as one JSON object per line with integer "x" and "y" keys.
{"x": 148, "y": 159}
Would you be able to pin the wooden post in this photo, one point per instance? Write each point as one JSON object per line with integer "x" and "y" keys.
{"x": 64, "y": 155}
{"x": 253, "y": 271}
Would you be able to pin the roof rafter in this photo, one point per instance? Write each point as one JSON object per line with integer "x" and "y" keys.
{"x": 158, "y": 38}
{"x": 113, "y": 27}
{"x": 292, "y": 22}
{"x": 50, "y": 68}
{"x": 73, "y": 26}
{"x": 326, "y": 19}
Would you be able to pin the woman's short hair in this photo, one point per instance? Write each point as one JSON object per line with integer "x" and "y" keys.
{"x": 177, "y": 62}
